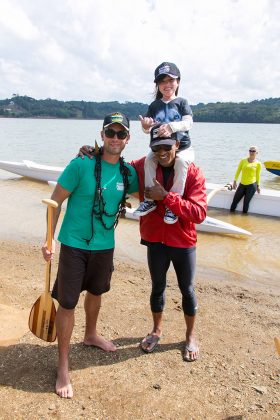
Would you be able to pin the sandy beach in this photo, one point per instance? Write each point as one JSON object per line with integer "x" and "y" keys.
{"x": 237, "y": 375}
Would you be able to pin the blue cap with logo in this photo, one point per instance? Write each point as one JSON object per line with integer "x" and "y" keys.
{"x": 167, "y": 69}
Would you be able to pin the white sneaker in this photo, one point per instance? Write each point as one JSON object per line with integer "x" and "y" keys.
{"x": 170, "y": 217}
{"x": 145, "y": 208}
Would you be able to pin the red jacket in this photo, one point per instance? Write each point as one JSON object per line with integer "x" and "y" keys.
{"x": 190, "y": 209}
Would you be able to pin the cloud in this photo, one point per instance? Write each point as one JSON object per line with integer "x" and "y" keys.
{"x": 104, "y": 50}
{"x": 16, "y": 21}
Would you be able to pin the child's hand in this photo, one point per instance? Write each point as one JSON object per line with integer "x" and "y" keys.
{"x": 164, "y": 130}
{"x": 147, "y": 122}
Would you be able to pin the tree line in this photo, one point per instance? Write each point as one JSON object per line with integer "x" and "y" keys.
{"x": 258, "y": 111}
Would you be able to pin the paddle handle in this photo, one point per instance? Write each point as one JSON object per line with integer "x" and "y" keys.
{"x": 51, "y": 205}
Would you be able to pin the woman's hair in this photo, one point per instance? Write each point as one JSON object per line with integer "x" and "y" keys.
{"x": 157, "y": 93}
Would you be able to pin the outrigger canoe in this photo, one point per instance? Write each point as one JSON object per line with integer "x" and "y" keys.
{"x": 50, "y": 174}
{"x": 273, "y": 166}
{"x": 266, "y": 203}
{"x": 208, "y": 225}
{"x": 32, "y": 170}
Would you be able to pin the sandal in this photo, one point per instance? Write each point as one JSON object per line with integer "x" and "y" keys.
{"x": 152, "y": 340}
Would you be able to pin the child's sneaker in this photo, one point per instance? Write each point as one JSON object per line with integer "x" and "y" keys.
{"x": 145, "y": 208}
{"x": 170, "y": 217}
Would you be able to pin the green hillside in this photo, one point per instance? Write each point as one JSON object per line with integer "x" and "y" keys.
{"x": 262, "y": 111}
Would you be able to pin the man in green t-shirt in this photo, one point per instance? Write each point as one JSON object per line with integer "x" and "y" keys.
{"x": 96, "y": 190}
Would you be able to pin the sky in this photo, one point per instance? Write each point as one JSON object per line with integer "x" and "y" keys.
{"x": 107, "y": 50}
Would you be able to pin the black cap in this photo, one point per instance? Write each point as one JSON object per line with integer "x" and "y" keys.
{"x": 155, "y": 140}
{"x": 168, "y": 69}
{"x": 116, "y": 118}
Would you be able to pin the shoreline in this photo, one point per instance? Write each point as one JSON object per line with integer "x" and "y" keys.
{"x": 238, "y": 370}
{"x": 131, "y": 119}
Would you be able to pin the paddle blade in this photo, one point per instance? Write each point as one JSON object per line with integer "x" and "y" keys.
{"x": 42, "y": 318}
{"x": 277, "y": 344}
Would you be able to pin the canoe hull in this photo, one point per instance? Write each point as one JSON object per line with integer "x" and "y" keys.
{"x": 274, "y": 171}
{"x": 266, "y": 203}
{"x": 273, "y": 166}
{"x": 210, "y": 225}
{"x": 32, "y": 170}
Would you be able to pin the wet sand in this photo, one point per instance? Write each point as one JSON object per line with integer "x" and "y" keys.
{"x": 238, "y": 292}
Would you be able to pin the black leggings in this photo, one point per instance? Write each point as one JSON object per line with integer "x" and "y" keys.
{"x": 248, "y": 192}
{"x": 184, "y": 262}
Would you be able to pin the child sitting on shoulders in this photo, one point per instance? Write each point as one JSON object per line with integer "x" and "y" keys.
{"x": 174, "y": 116}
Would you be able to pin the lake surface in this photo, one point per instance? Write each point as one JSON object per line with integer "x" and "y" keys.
{"x": 218, "y": 147}
{"x": 251, "y": 260}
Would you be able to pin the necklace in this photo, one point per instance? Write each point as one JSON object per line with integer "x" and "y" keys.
{"x": 99, "y": 204}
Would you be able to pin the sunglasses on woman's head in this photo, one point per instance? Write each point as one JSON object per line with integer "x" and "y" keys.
{"x": 165, "y": 147}
{"x": 110, "y": 133}
{"x": 252, "y": 151}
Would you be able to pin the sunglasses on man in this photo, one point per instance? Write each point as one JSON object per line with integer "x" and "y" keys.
{"x": 165, "y": 147}
{"x": 110, "y": 133}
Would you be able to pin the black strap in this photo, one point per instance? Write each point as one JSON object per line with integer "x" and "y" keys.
{"x": 99, "y": 204}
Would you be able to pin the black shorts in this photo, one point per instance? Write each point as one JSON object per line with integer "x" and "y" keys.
{"x": 79, "y": 270}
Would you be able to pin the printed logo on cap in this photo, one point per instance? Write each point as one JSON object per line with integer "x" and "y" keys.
{"x": 164, "y": 70}
{"x": 117, "y": 118}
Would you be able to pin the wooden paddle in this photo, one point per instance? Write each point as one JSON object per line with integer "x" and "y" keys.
{"x": 277, "y": 344}
{"x": 42, "y": 315}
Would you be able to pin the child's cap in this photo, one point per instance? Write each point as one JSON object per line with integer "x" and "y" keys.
{"x": 168, "y": 69}
{"x": 155, "y": 140}
{"x": 116, "y": 117}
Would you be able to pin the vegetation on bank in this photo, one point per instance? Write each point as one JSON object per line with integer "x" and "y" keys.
{"x": 261, "y": 111}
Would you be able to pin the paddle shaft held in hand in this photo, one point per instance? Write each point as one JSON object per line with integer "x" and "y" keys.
{"x": 51, "y": 205}
{"x": 42, "y": 315}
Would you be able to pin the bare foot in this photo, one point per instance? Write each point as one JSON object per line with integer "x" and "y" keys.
{"x": 100, "y": 342}
{"x": 63, "y": 387}
{"x": 191, "y": 350}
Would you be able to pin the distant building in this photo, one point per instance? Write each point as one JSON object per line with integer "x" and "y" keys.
{"x": 11, "y": 107}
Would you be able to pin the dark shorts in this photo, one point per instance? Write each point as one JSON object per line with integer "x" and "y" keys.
{"x": 79, "y": 270}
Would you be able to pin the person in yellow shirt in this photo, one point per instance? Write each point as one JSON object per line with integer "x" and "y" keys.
{"x": 250, "y": 169}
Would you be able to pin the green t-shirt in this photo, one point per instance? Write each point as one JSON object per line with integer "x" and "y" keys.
{"x": 78, "y": 178}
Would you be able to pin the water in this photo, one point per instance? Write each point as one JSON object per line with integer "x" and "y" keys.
{"x": 218, "y": 147}
{"x": 253, "y": 260}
